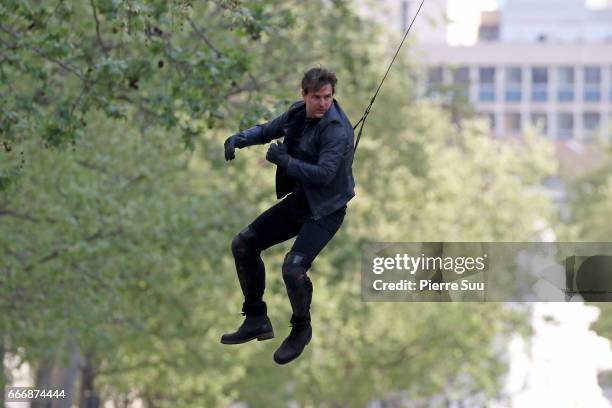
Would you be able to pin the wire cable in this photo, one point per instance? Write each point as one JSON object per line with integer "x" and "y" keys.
{"x": 367, "y": 110}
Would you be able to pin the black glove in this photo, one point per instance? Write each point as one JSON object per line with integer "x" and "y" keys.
{"x": 277, "y": 154}
{"x": 238, "y": 140}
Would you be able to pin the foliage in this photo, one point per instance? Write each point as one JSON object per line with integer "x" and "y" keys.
{"x": 590, "y": 203}
{"x": 117, "y": 234}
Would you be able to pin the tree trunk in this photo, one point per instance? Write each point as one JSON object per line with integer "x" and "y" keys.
{"x": 3, "y": 375}
{"x": 43, "y": 381}
{"x": 67, "y": 375}
{"x": 89, "y": 398}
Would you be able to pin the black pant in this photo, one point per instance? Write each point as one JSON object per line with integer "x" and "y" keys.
{"x": 288, "y": 218}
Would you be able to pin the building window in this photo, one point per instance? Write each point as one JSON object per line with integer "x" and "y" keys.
{"x": 539, "y": 84}
{"x": 591, "y": 123}
{"x": 565, "y": 123}
{"x": 434, "y": 76}
{"x": 513, "y": 84}
{"x": 539, "y": 120}
{"x": 434, "y": 81}
{"x": 488, "y": 33}
{"x": 592, "y": 84}
{"x": 566, "y": 80}
{"x": 486, "y": 84}
{"x": 512, "y": 123}
{"x": 461, "y": 81}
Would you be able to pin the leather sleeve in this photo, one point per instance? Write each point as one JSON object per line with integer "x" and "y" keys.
{"x": 264, "y": 133}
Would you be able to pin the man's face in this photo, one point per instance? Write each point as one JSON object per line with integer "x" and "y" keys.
{"x": 318, "y": 102}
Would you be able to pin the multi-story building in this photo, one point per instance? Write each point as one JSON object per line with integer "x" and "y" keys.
{"x": 566, "y": 89}
{"x": 536, "y": 62}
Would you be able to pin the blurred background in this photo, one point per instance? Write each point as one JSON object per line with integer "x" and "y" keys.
{"x": 117, "y": 208}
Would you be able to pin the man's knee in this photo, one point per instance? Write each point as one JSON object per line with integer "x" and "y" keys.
{"x": 243, "y": 244}
{"x": 294, "y": 270}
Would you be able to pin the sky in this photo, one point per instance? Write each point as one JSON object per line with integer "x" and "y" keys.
{"x": 466, "y": 15}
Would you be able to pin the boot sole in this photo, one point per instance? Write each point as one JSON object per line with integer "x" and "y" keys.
{"x": 259, "y": 337}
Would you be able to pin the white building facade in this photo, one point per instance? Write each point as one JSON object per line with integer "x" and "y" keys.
{"x": 554, "y": 21}
{"x": 564, "y": 90}
{"x": 546, "y": 63}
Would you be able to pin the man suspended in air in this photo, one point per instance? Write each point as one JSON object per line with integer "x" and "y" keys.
{"x": 314, "y": 175}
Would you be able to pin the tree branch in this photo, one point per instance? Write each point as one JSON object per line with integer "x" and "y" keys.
{"x": 202, "y": 35}
{"x": 25, "y": 216}
{"x": 44, "y": 55}
{"x": 56, "y": 252}
{"x": 78, "y": 99}
{"x": 200, "y": 32}
{"x": 126, "y": 181}
{"x": 95, "y": 14}
{"x": 53, "y": 12}
{"x": 94, "y": 167}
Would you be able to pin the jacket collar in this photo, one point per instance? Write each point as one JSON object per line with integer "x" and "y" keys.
{"x": 297, "y": 111}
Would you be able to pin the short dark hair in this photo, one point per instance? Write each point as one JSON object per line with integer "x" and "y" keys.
{"x": 315, "y": 78}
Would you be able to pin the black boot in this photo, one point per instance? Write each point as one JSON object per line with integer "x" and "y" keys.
{"x": 293, "y": 345}
{"x": 299, "y": 289}
{"x": 256, "y": 325}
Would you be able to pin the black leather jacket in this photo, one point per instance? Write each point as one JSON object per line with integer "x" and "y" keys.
{"x": 322, "y": 157}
